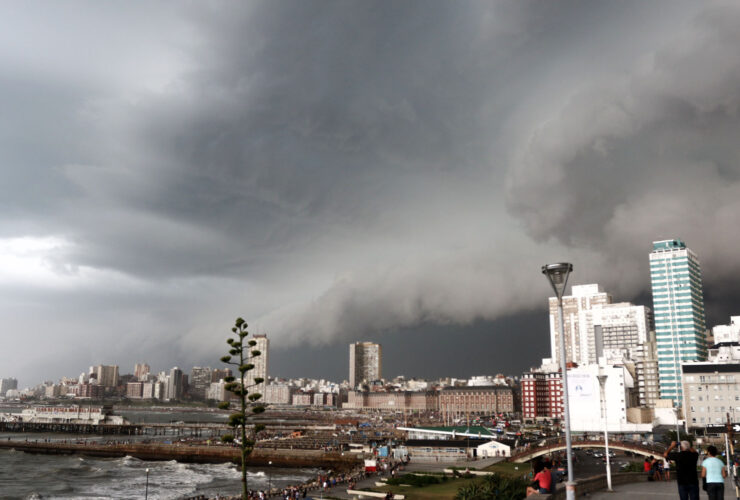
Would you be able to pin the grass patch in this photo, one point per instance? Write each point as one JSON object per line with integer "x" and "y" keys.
{"x": 441, "y": 491}
{"x": 511, "y": 469}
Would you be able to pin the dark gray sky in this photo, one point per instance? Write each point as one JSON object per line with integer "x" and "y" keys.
{"x": 342, "y": 171}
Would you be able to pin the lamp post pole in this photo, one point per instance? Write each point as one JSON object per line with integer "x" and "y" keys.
{"x": 269, "y": 479}
{"x": 146, "y": 489}
{"x": 602, "y": 385}
{"x": 557, "y": 274}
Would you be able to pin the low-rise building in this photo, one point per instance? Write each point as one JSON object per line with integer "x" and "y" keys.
{"x": 278, "y": 394}
{"x": 302, "y": 399}
{"x": 394, "y": 401}
{"x": 711, "y": 392}
{"x": 134, "y": 390}
{"x": 457, "y": 402}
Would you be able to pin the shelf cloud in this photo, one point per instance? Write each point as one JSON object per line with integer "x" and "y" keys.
{"x": 337, "y": 170}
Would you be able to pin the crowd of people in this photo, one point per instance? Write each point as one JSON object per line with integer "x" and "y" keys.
{"x": 713, "y": 471}
{"x": 657, "y": 469}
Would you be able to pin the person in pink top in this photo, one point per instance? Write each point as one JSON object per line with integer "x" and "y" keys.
{"x": 542, "y": 481}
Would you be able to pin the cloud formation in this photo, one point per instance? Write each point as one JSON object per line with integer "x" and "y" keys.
{"x": 337, "y": 170}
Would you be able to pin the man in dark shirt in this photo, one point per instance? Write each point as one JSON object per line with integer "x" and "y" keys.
{"x": 688, "y": 483}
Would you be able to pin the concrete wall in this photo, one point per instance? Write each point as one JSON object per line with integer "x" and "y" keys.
{"x": 592, "y": 484}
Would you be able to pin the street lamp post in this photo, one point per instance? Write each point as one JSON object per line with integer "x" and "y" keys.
{"x": 558, "y": 274}
{"x": 269, "y": 479}
{"x": 146, "y": 489}
{"x": 602, "y": 384}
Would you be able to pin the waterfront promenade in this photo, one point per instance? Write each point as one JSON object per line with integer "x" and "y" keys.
{"x": 644, "y": 491}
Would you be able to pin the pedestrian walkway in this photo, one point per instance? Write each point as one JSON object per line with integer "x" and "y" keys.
{"x": 656, "y": 490}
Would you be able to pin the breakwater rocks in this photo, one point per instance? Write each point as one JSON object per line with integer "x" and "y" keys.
{"x": 192, "y": 453}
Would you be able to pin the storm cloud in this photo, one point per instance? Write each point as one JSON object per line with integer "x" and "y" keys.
{"x": 335, "y": 171}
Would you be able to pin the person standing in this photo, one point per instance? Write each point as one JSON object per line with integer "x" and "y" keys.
{"x": 686, "y": 459}
{"x": 713, "y": 470}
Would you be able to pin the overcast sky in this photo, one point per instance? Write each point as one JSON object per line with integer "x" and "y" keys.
{"x": 345, "y": 171}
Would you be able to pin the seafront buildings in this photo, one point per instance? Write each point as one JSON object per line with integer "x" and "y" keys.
{"x": 637, "y": 348}
{"x": 365, "y": 363}
{"x": 641, "y": 353}
{"x": 678, "y": 302}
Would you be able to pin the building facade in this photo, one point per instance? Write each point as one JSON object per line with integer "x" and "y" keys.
{"x": 278, "y": 394}
{"x": 107, "y": 375}
{"x": 260, "y": 365}
{"x": 580, "y": 345}
{"x": 462, "y": 402}
{"x": 619, "y": 328}
{"x": 397, "y": 400}
{"x": 174, "y": 384}
{"x": 365, "y": 363}
{"x": 200, "y": 381}
{"x": 7, "y": 384}
{"x": 678, "y": 303}
{"x": 135, "y": 390}
{"x": 541, "y": 395}
{"x": 711, "y": 393}
{"x": 619, "y": 396}
{"x": 646, "y": 373}
{"x": 141, "y": 370}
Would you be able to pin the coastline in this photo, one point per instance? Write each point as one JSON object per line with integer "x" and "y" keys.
{"x": 187, "y": 453}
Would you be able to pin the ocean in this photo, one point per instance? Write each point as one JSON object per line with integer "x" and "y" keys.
{"x": 27, "y": 476}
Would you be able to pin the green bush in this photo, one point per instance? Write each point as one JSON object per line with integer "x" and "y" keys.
{"x": 494, "y": 486}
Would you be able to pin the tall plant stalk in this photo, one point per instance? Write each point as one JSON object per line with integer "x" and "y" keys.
{"x": 242, "y": 356}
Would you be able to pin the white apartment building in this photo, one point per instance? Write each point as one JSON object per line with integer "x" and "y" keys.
{"x": 711, "y": 392}
{"x": 580, "y": 346}
{"x": 277, "y": 394}
{"x": 712, "y": 389}
{"x": 618, "y": 328}
{"x": 260, "y": 365}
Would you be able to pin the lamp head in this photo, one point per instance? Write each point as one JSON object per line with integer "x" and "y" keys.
{"x": 557, "y": 274}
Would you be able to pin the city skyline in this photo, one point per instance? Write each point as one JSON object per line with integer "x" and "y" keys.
{"x": 337, "y": 172}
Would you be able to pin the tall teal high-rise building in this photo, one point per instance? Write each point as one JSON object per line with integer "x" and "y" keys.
{"x": 678, "y": 305}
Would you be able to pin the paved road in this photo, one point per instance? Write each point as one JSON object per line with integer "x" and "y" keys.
{"x": 644, "y": 491}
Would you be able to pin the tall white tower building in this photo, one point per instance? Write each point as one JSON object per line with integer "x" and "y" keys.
{"x": 365, "y": 363}
{"x": 260, "y": 364}
{"x": 678, "y": 302}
